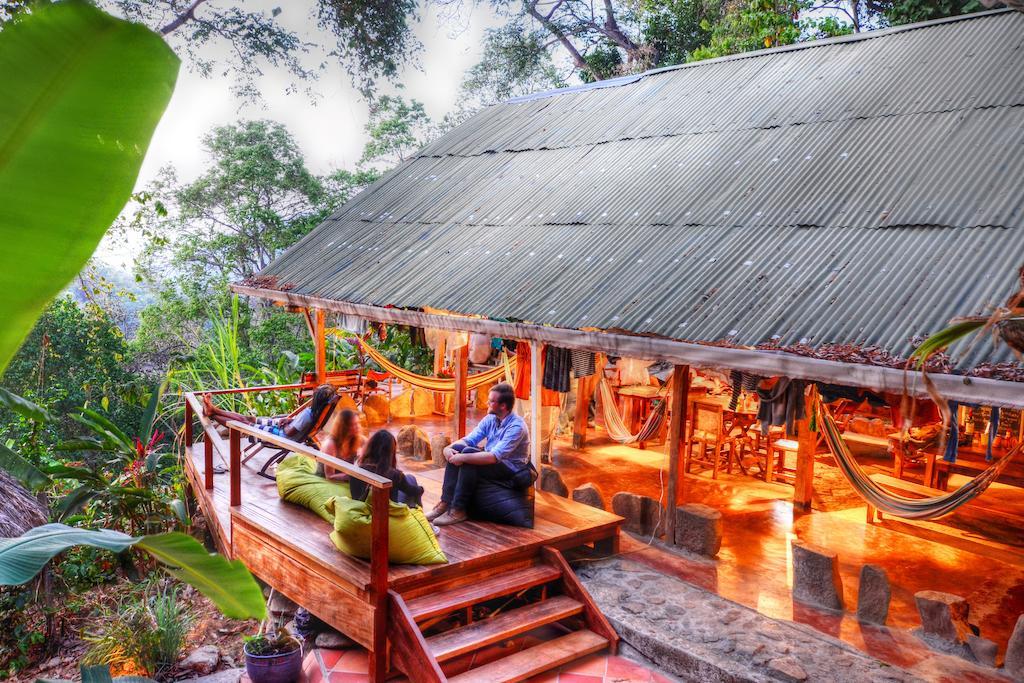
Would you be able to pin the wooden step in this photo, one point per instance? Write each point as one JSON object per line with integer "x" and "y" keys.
{"x": 507, "y": 625}
{"x": 434, "y": 604}
{"x": 535, "y": 660}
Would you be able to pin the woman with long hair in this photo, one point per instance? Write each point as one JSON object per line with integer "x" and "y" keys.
{"x": 343, "y": 440}
{"x": 379, "y": 457}
{"x": 296, "y": 427}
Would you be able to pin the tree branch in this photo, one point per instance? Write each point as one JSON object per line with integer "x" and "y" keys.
{"x": 185, "y": 16}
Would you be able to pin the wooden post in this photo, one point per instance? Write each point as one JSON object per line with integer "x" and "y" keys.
{"x": 207, "y": 462}
{"x": 235, "y": 445}
{"x": 188, "y": 424}
{"x": 380, "y": 502}
{"x": 461, "y": 393}
{"x": 536, "y": 348}
{"x": 320, "y": 346}
{"x": 803, "y": 485}
{"x": 679, "y": 390}
{"x": 584, "y": 390}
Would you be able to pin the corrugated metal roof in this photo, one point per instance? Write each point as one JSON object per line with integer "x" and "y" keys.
{"x": 854, "y": 191}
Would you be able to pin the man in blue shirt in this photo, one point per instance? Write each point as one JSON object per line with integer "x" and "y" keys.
{"x": 508, "y": 452}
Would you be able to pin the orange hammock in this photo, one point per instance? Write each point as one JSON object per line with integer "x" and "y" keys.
{"x": 439, "y": 384}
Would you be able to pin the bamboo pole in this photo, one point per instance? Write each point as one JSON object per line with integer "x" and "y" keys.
{"x": 680, "y": 390}
{"x": 461, "y": 392}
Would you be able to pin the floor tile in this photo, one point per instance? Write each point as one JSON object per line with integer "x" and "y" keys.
{"x": 353, "y": 661}
{"x": 594, "y": 665}
{"x": 622, "y": 670}
{"x": 579, "y": 678}
{"x": 330, "y": 657}
{"x": 347, "y": 677}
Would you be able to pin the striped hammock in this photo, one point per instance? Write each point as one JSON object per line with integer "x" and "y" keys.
{"x": 897, "y": 505}
{"x": 617, "y": 429}
{"x": 439, "y": 384}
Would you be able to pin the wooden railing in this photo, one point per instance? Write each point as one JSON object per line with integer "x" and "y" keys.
{"x": 379, "y": 501}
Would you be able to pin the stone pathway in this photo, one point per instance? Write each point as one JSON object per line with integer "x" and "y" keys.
{"x": 700, "y": 636}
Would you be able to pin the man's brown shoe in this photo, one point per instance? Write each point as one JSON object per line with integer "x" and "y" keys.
{"x": 451, "y": 517}
{"x": 438, "y": 510}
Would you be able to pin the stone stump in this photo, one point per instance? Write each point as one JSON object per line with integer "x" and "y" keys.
{"x": 873, "y": 595}
{"x": 816, "y": 579}
{"x": 983, "y": 649}
{"x": 551, "y": 481}
{"x": 698, "y": 529}
{"x": 376, "y": 409}
{"x": 413, "y": 443}
{"x": 589, "y": 494}
{"x": 944, "y": 616}
{"x": 1014, "y": 661}
{"x": 438, "y": 442}
{"x": 642, "y": 514}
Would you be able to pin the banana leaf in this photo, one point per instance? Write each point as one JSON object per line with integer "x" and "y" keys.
{"x": 82, "y": 94}
{"x": 21, "y": 469}
{"x": 24, "y": 407}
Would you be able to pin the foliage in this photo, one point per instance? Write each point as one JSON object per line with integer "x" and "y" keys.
{"x": 58, "y": 104}
{"x": 899, "y": 12}
{"x": 675, "y": 28}
{"x": 396, "y": 129}
{"x": 515, "y": 62}
{"x": 261, "y": 645}
{"x": 226, "y": 582}
{"x": 144, "y": 633}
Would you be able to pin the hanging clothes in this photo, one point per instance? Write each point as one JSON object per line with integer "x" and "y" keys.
{"x": 953, "y": 441}
{"x": 993, "y": 430}
{"x": 742, "y": 381}
{"x": 582, "y": 363}
{"x": 781, "y": 404}
{"x": 522, "y": 377}
{"x": 633, "y": 371}
{"x": 557, "y": 366}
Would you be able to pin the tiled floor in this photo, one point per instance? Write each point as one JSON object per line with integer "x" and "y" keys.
{"x": 350, "y": 666}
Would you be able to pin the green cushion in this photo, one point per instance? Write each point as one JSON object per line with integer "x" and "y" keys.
{"x": 410, "y": 538}
{"x": 298, "y": 482}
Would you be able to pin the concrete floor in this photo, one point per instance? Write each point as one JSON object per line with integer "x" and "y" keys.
{"x": 754, "y": 567}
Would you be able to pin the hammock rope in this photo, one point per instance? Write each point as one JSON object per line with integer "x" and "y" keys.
{"x": 893, "y": 503}
{"x": 617, "y": 429}
{"x": 439, "y": 384}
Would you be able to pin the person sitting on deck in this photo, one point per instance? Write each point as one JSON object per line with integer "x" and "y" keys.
{"x": 343, "y": 440}
{"x": 379, "y": 457}
{"x": 507, "y": 454}
{"x": 297, "y": 427}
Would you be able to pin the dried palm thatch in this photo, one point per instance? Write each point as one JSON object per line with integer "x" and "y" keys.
{"x": 20, "y": 510}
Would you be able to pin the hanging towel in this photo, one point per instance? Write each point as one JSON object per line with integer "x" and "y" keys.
{"x": 557, "y": 366}
{"x": 582, "y": 363}
{"x": 783, "y": 404}
{"x": 522, "y": 377}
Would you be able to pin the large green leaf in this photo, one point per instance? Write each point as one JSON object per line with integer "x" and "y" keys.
{"x": 23, "y": 557}
{"x": 22, "y": 470}
{"x": 23, "y": 406}
{"x": 227, "y": 583}
{"x": 82, "y": 94}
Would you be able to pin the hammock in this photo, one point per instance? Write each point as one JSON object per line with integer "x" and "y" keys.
{"x": 617, "y": 428}
{"x": 897, "y": 505}
{"x": 438, "y": 384}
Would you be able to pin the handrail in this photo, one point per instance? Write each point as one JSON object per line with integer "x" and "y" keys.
{"x": 244, "y": 390}
{"x": 211, "y": 441}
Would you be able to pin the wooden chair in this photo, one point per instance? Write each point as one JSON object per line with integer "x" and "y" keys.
{"x": 306, "y": 437}
{"x": 709, "y": 432}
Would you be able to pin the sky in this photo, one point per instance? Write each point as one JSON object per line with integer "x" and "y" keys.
{"x": 329, "y": 129}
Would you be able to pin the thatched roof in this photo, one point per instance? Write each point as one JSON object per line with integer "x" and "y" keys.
{"x": 20, "y": 511}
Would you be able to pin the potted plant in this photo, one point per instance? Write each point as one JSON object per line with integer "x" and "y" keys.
{"x": 273, "y": 659}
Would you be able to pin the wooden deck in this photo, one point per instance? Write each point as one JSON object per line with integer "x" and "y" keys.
{"x": 288, "y": 547}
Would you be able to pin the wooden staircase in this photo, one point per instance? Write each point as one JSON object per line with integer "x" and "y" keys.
{"x": 552, "y": 595}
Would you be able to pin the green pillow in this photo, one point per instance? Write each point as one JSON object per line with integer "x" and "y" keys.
{"x": 298, "y": 482}
{"x": 410, "y": 538}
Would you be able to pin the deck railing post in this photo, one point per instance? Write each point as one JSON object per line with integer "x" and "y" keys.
{"x": 188, "y": 423}
{"x": 235, "y": 441}
{"x": 380, "y": 502}
{"x": 207, "y": 462}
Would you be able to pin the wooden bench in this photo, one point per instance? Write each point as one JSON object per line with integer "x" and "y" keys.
{"x": 976, "y": 509}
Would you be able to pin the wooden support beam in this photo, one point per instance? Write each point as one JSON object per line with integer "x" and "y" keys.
{"x": 584, "y": 390}
{"x": 320, "y": 345}
{"x": 536, "y": 349}
{"x": 461, "y": 392}
{"x": 235, "y": 450}
{"x": 807, "y": 441}
{"x": 679, "y": 390}
{"x": 379, "y": 502}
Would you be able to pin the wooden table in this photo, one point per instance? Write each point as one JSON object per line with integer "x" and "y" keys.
{"x": 970, "y": 461}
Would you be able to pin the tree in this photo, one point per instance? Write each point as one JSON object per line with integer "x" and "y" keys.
{"x": 396, "y": 129}
{"x": 373, "y": 38}
{"x": 515, "y": 62}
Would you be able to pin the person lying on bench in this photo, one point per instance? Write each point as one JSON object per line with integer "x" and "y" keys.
{"x": 296, "y": 428}
{"x": 507, "y": 454}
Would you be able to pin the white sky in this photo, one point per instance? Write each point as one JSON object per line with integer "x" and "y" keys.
{"x": 329, "y": 130}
